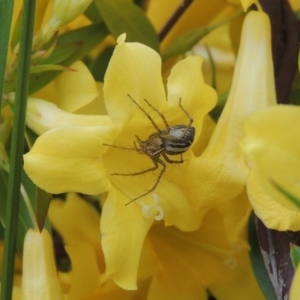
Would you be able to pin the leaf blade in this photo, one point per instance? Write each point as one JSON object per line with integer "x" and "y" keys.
{"x": 123, "y": 16}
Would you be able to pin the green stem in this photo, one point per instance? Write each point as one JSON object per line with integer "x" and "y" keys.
{"x": 17, "y": 146}
{"x": 6, "y": 11}
{"x": 213, "y": 67}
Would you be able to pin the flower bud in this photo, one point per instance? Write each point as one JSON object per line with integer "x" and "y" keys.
{"x": 40, "y": 279}
{"x": 67, "y": 10}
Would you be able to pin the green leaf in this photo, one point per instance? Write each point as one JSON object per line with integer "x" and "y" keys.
{"x": 44, "y": 68}
{"x": 24, "y": 219}
{"x": 217, "y": 110}
{"x": 294, "y": 199}
{"x": 297, "y": 13}
{"x": 295, "y": 255}
{"x": 62, "y": 52}
{"x": 89, "y": 37}
{"x": 1, "y": 231}
{"x": 85, "y": 38}
{"x": 299, "y": 61}
{"x": 188, "y": 40}
{"x": 123, "y": 16}
{"x": 6, "y": 12}
{"x": 30, "y": 137}
{"x": 37, "y": 204}
{"x": 42, "y": 205}
{"x": 29, "y": 188}
{"x": 17, "y": 146}
{"x": 39, "y": 201}
{"x": 212, "y": 67}
{"x": 295, "y": 96}
{"x": 99, "y": 65}
{"x": 93, "y": 14}
{"x": 257, "y": 262}
{"x": 16, "y": 32}
{"x": 24, "y": 222}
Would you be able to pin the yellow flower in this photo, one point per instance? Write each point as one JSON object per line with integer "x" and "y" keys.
{"x": 173, "y": 264}
{"x": 72, "y": 90}
{"x": 238, "y": 281}
{"x": 74, "y": 154}
{"x": 77, "y": 221}
{"x": 191, "y": 262}
{"x": 40, "y": 279}
{"x": 238, "y": 275}
{"x": 220, "y": 173}
{"x": 168, "y": 199}
{"x": 69, "y": 159}
{"x": 272, "y": 145}
{"x": 78, "y": 224}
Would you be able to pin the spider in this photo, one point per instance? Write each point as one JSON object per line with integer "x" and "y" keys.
{"x": 172, "y": 140}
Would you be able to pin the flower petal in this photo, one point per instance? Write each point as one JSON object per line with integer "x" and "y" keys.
{"x": 123, "y": 231}
{"x": 43, "y": 116}
{"x": 188, "y": 261}
{"x": 63, "y": 213}
{"x": 40, "y": 279}
{"x": 176, "y": 207}
{"x": 273, "y": 213}
{"x": 201, "y": 143}
{"x": 236, "y": 214}
{"x": 237, "y": 280}
{"x": 175, "y": 286}
{"x": 97, "y": 106}
{"x": 197, "y": 98}
{"x": 134, "y": 69}
{"x": 109, "y": 290}
{"x": 272, "y": 145}
{"x": 76, "y": 88}
{"x": 85, "y": 274}
{"x": 69, "y": 159}
{"x": 220, "y": 174}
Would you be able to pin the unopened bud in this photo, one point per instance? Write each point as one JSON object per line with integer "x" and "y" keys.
{"x": 67, "y": 10}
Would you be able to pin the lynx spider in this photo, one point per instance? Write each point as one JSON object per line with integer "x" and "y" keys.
{"x": 173, "y": 140}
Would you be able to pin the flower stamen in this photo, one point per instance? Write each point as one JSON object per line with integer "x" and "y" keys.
{"x": 147, "y": 209}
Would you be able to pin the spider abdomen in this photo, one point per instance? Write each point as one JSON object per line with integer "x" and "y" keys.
{"x": 179, "y": 139}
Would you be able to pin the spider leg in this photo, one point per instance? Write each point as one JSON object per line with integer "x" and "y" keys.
{"x": 147, "y": 115}
{"x": 124, "y": 148}
{"x": 156, "y": 161}
{"x": 159, "y": 113}
{"x": 186, "y": 113}
{"x": 140, "y": 173}
{"x": 171, "y": 161}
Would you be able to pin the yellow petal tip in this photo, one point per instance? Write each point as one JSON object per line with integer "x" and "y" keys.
{"x": 121, "y": 39}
